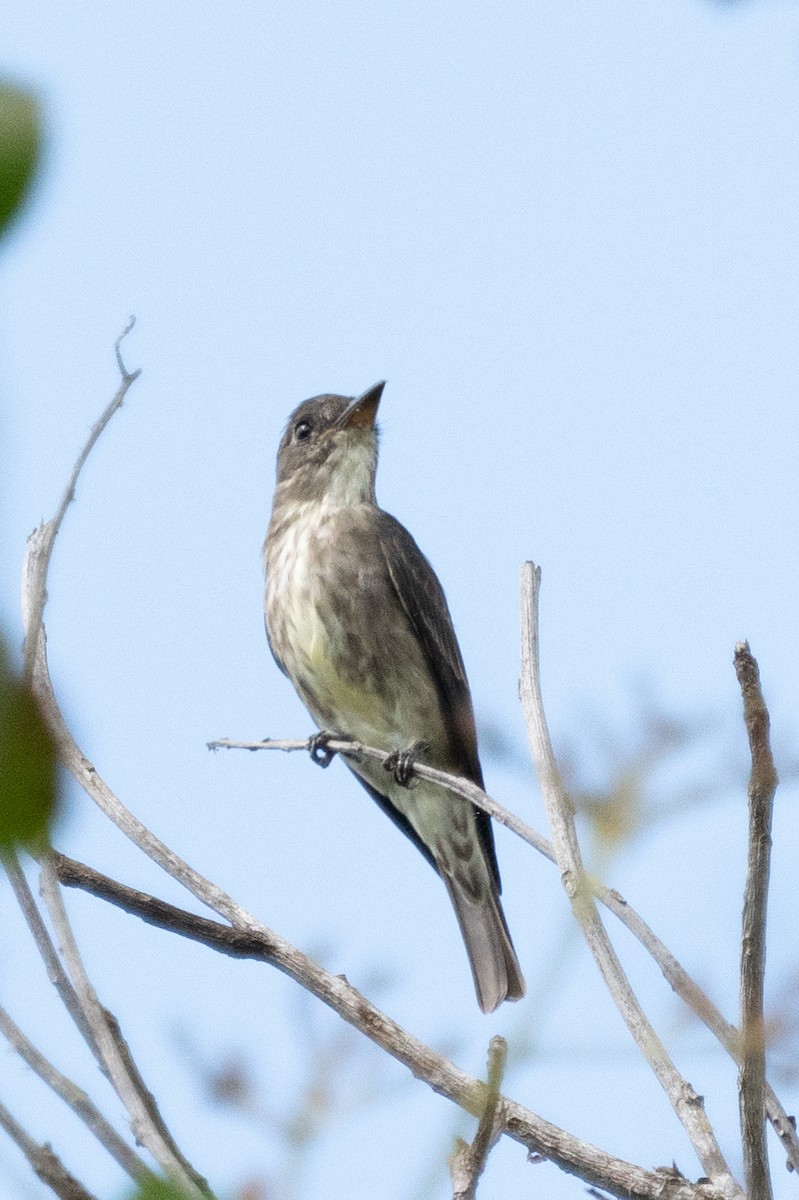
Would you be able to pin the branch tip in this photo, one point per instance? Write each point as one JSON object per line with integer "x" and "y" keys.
{"x": 117, "y": 344}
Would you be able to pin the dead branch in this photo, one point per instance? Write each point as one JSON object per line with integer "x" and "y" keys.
{"x": 762, "y": 786}
{"x": 685, "y": 1101}
{"x": 146, "y": 1122}
{"x": 255, "y": 941}
{"x": 35, "y": 598}
{"x": 45, "y": 1164}
{"x": 73, "y": 1096}
{"x": 467, "y": 1163}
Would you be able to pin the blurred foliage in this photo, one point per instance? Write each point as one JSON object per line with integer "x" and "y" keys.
{"x": 27, "y": 764}
{"x": 158, "y": 1189}
{"x": 339, "y": 1073}
{"x": 27, "y": 759}
{"x": 627, "y": 776}
{"x": 20, "y": 148}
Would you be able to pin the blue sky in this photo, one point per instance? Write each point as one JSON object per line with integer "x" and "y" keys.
{"x": 566, "y": 235}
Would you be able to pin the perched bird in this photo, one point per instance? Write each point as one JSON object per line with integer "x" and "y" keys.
{"x": 357, "y": 619}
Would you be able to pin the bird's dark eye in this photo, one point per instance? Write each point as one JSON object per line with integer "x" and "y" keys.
{"x": 302, "y": 430}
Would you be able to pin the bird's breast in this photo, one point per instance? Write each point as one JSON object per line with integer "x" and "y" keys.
{"x": 295, "y": 563}
{"x": 339, "y": 631}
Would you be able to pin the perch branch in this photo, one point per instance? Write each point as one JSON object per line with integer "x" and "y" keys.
{"x": 687, "y": 1104}
{"x": 673, "y": 971}
{"x": 762, "y": 786}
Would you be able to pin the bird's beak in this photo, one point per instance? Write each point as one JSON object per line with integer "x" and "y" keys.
{"x": 362, "y": 411}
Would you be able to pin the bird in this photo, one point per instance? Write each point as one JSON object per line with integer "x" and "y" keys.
{"x": 357, "y": 619}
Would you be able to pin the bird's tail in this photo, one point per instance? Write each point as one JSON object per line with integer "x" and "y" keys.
{"x": 495, "y": 967}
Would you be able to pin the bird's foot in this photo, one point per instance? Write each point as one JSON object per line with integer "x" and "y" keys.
{"x": 401, "y": 762}
{"x": 319, "y": 749}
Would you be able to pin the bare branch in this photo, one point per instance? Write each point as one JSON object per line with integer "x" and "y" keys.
{"x": 34, "y": 594}
{"x": 74, "y": 1097}
{"x": 255, "y": 941}
{"x": 762, "y": 786}
{"x": 44, "y": 944}
{"x": 580, "y": 1158}
{"x": 687, "y": 1104}
{"x": 467, "y": 1163}
{"x": 98, "y": 1026}
{"x": 673, "y": 971}
{"x": 72, "y": 1002}
{"x": 45, "y": 1164}
{"x": 455, "y": 784}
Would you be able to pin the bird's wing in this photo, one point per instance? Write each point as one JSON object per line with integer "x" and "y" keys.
{"x": 423, "y": 601}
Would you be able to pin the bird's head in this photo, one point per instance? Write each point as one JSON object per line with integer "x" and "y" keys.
{"x": 329, "y": 449}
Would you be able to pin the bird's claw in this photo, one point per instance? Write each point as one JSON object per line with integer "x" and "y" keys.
{"x": 319, "y": 749}
{"x": 402, "y": 762}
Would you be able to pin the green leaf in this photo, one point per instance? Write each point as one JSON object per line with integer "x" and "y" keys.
{"x": 20, "y": 148}
{"x": 27, "y": 765}
{"x": 158, "y": 1189}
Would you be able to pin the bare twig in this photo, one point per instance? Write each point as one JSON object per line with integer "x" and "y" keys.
{"x": 44, "y": 944}
{"x": 35, "y": 598}
{"x": 99, "y": 1028}
{"x": 455, "y": 784}
{"x": 762, "y": 786}
{"x": 687, "y": 1104}
{"x": 75, "y": 1097}
{"x": 257, "y": 942}
{"x": 673, "y": 971}
{"x": 76, "y": 1009}
{"x": 147, "y": 1125}
{"x": 467, "y": 1163}
{"x": 44, "y": 1162}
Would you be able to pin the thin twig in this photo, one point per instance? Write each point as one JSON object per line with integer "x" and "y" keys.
{"x": 44, "y": 944}
{"x": 44, "y": 1162}
{"x": 687, "y": 1104}
{"x": 102, "y": 1033}
{"x": 455, "y": 784}
{"x": 75, "y": 1097}
{"x": 257, "y": 942}
{"x": 467, "y": 1163}
{"x": 148, "y": 1127}
{"x": 762, "y": 786}
{"x": 34, "y": 599}
{"x": 70, "y": 998}
{"x": 673, "y": 972}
